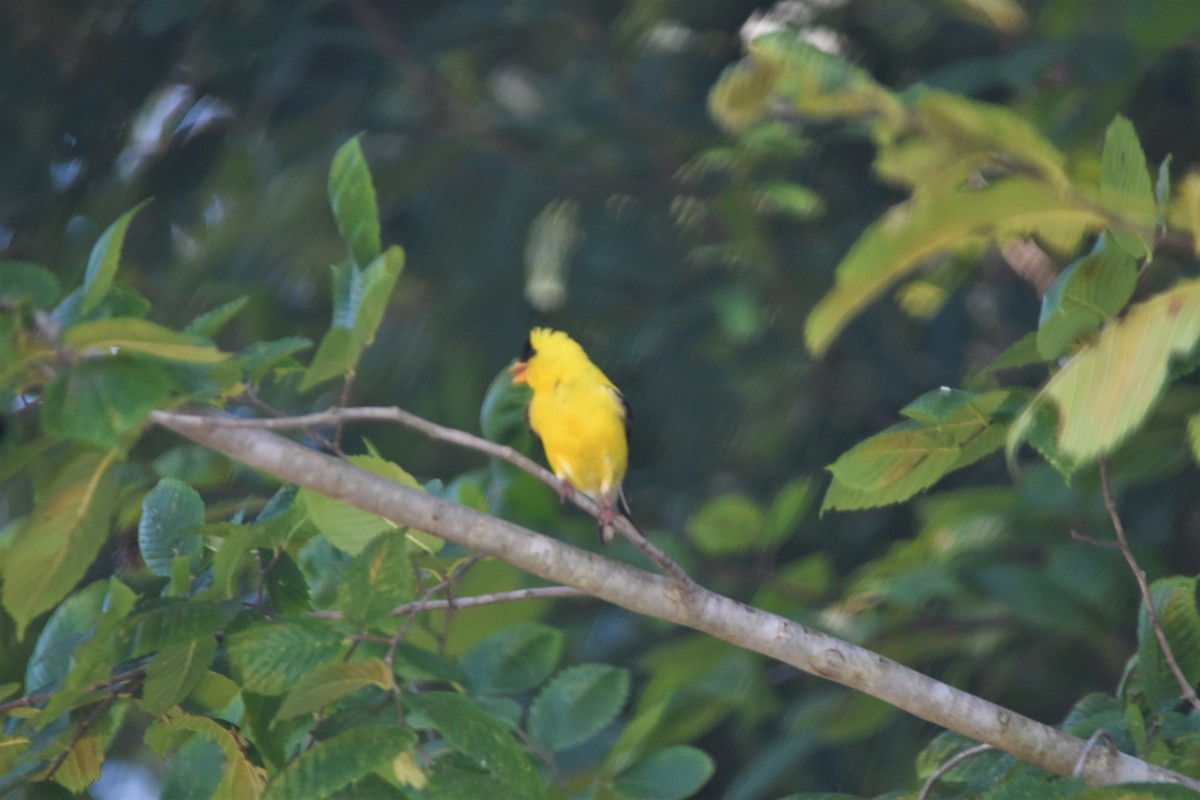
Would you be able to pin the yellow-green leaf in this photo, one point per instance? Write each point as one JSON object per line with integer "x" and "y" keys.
{"x": 1108, "y": 388}
{"x": 330, "y": 682}
{"x": 140, "y": 336}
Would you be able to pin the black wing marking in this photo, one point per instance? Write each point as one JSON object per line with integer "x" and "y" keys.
{"x": 626, "y": 411}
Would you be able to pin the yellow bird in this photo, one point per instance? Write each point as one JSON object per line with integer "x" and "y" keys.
{"x": 581, "y": 419}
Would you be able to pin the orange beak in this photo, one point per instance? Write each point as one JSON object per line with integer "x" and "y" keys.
{"x": 518, "y": 370}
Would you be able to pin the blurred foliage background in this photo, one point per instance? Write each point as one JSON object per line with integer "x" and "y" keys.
{"x": 554, "y": 163}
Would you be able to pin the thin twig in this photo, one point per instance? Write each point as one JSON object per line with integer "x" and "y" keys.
{"x": 417, "y": 606}
{"x": 450, "y": 579}
{"x": 84, "y": 727}
{"x": 1091, "y": 743}
{"x": 347, "y": 385}
{"x": 33, "y": 699}
{"x": 1094, "y": 542}
{"x": 950, "y": 764}
{"x": 1139, "y": 575}
{"x": 467, "y": 441}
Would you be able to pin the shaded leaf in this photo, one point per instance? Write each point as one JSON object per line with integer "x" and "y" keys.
{"x": 670, "y": 774}
{"x": 376, "y": 581}
{"x": 352, "y": 197}
{"x": 732, "y": 523}
{"x": 330, "y": 682}
{"x": 578, "y": 704}
{"x": 104, "y": 260}
{"x": 516, "y": 658}
{"x": 1175, "y": 604}
{"x": 171, "y": 514}
{"x": 175, "y": 671}
{"x": 240, "y": 778}
{"x": 22, "y": 281}
{"x": 100, "y": 399}
{"x": 482, "y": 739}
{"x": 271, "y": 657}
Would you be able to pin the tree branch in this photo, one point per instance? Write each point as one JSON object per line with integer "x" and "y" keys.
{"x": 652, "y": 595}
{"x": 534, "y": 593}
{"x": 338, "y": 416}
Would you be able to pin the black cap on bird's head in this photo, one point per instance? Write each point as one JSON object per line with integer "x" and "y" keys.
{"x": 518, "y": 369}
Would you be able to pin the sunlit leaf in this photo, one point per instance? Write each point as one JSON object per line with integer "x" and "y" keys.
{"x": 175, "y": 671}
{"x": 334, "y": 762}
{"x": 140, "y": 336}
{"x": 911, "y": 233}
{"x": 81, "y": 767}
{"x": 240, "y": 778}
{"x": 104, "y": 260}
{"x": 1106, "y": 390}
{"x": 1125, "y": 187}
{"x": 330, "y": 682}
{"x": 60, "y": 540}
{"x": 348, "y": 528}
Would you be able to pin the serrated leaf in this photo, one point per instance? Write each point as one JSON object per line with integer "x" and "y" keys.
{"x": 912, "y": 233}
{"x": 348, "y": 528}
{"x": 334, "y": 762}
{"x": 57, "y": 543}
{"x": 516, "y": 658}
{"x": 175, "y": 671}
{"x": 378, "y": 281}
{"x": 579, "y": 703}
{"x": 1106, "y": 390}
{"x": 104, "y": 260}
{"x": 259, "y": 357}
{"x": 81, "y": 767}
{"x": 1125, "y": 187}
{"x": 337, "y": 352}
{"x": 287, "y": 588}
{"x": 1175, "y": 603}
{"x": 482, "y": 739}
{"x": 731, "y": 523}
{"x": 240, "y": 779}
{"x": 330, "y": 682}
{"x": 671, "y": 774}
{"x": 210, "y": 322}
{"x": 270, "y": 657}
{"x": 71, "y": 624}
{"x": 163, "y": 623}
{"x": 100, "y": 399}
{"x": 1087, "y": 294}
{"x": 376, "y": 581}
{"x": 140, "y": 336}
{"x": 171, "y": 514}
{"x": 194, "y": 771}
{"x": 352, "y": 197}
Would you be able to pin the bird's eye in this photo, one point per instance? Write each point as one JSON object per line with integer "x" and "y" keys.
{"x": 527, "y": 352}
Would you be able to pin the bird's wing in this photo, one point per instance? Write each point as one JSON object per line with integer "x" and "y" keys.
{"x": 623, "y": 408}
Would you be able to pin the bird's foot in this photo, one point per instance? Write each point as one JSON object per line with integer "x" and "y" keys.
{"x": 565, "y": 491}
{"x": 607, "y": 514}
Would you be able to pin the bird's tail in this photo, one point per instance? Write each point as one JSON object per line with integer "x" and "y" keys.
{"x": 607, "y": 532}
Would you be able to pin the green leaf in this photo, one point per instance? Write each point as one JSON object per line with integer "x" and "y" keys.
{"x": 171, "y": 513}
{"x": 579, "y": 703}
{"x": 175, "y": 671}
{"x": 93, "y": 660}
{"x": 58, "y": 542}
{"x": 516, "y": 658}
{"x": 378, "y": 280}
{"x": 331, "y": 764}
{"x": 81, "y": 767}
{"x": 481, "y": 738}
{"x": 1193, "y": 430}
{"x": 914, "y": 232}
{"x": 240, "y": 779}
{"x": 163, "y": 623}
{"x": 502, "y": 415}
{"x": 789, "y": 508}
{"x": 1088, "y": 293}
{"x": 951, "y": 429}
{"x": 1106, "y": 390}
{"x": 1175, "y": 604}
{"x": 22, "y": 281}
{"x": 352, "y": 196}
{"x": 1125, "y": 187}
{"x": 71, "y": 624}
{"x": 330, "y": 682}
{"x": 271, "y": 657}
{"x": 336, "y": 354}
{"x": 376, "y": 581}
{"x": 1020, "y": 353}
{"x": 100, "y": 399}
{"x": 732, "y": 523}
{"x": 286, "y": 586}
{"x": 670, "y": 774}
{"x": 260, "y": 357}
{"x": 194, "y": 771}
{"x": 348, "y": 528}
{"x": 209, "y": 323}
{"x": 105, "y": 258}
{"x": 140, "y": 336}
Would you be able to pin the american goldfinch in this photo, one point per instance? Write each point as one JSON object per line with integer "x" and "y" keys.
{"x": 581, "y": 419}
